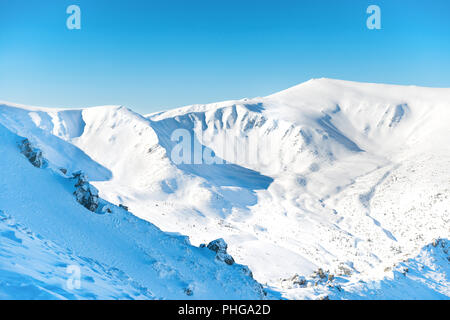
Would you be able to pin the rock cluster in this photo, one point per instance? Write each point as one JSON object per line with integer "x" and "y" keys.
{"x": 323, "y": 276}
{"x": 33, "y": 155}
{"x": 107, "y": 209}
{"x": 319, "y": 277}
{"x": 296, "y": 281}
{"x": 86, "y": 194}
{"x": 219, "y": 246}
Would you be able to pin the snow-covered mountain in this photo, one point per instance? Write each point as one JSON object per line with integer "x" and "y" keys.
{"x": 324, "y": 189}
{"x": 52, "y": 247}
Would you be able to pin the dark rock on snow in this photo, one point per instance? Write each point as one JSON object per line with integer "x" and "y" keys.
{"x": 33, "y": 155}
{"x": 86, "y": 194}
{"x": 220, "y": 247}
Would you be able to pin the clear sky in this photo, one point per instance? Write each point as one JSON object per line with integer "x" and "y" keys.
{"x": 154, "y": 55}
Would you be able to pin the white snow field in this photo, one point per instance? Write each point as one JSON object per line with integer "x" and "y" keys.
{"x": 330, "y": 189}
{"x": 45, "y": 233}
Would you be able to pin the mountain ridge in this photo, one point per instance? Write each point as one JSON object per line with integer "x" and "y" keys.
{"x": 328, "y": 174}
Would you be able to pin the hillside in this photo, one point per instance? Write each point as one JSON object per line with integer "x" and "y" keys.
{"x": 46, "y": 235}
{"x": 333, "y": 177}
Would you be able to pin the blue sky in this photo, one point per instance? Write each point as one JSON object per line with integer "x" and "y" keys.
{"x": 155, "y": 55}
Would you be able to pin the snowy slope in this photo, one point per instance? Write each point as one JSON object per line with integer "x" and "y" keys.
{"x": 348, "y": 177}
{"x": 43, "y": 231}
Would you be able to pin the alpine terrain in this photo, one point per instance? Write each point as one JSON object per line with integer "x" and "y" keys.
{"x": 327, "y": 190}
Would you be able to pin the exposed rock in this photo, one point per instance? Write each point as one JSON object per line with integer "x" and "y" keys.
{"x": 188, "y": 291}
{"x": 295, "y": 281}
{"x": 324, "y": 276}
{"x": 33, "y": 155}
{"x": 63, "y": 170}
{"x": 320, "y": 273}
{"x": 246, "y": 270}
{"x": 405, "y": 271}
{"x": 123, "y": 207}
{"x": 225, "y": 257}
{"x": 344, "y": 270}
{"x": 86, "y": 194}
{"x": 298, "y": 280}
{"x": 106, "y": 209}
{"x": 220, "y": 247}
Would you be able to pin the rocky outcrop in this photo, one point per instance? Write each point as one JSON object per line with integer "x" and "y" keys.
{"x": 246, "y": 270}
{"x": 33, "y": 155}
{"x": 296, "y": 281}
{"x": 319, "y": 277}
{"x": 86, "y": 194}
{"x": 344, "y": 269}
{"x": 219, "y": 246}
{"x": 322, "y": 276}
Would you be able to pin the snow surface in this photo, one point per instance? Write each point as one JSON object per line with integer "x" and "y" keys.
{"x": 352, "y": 178}
{"x": 43, "y": 231}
